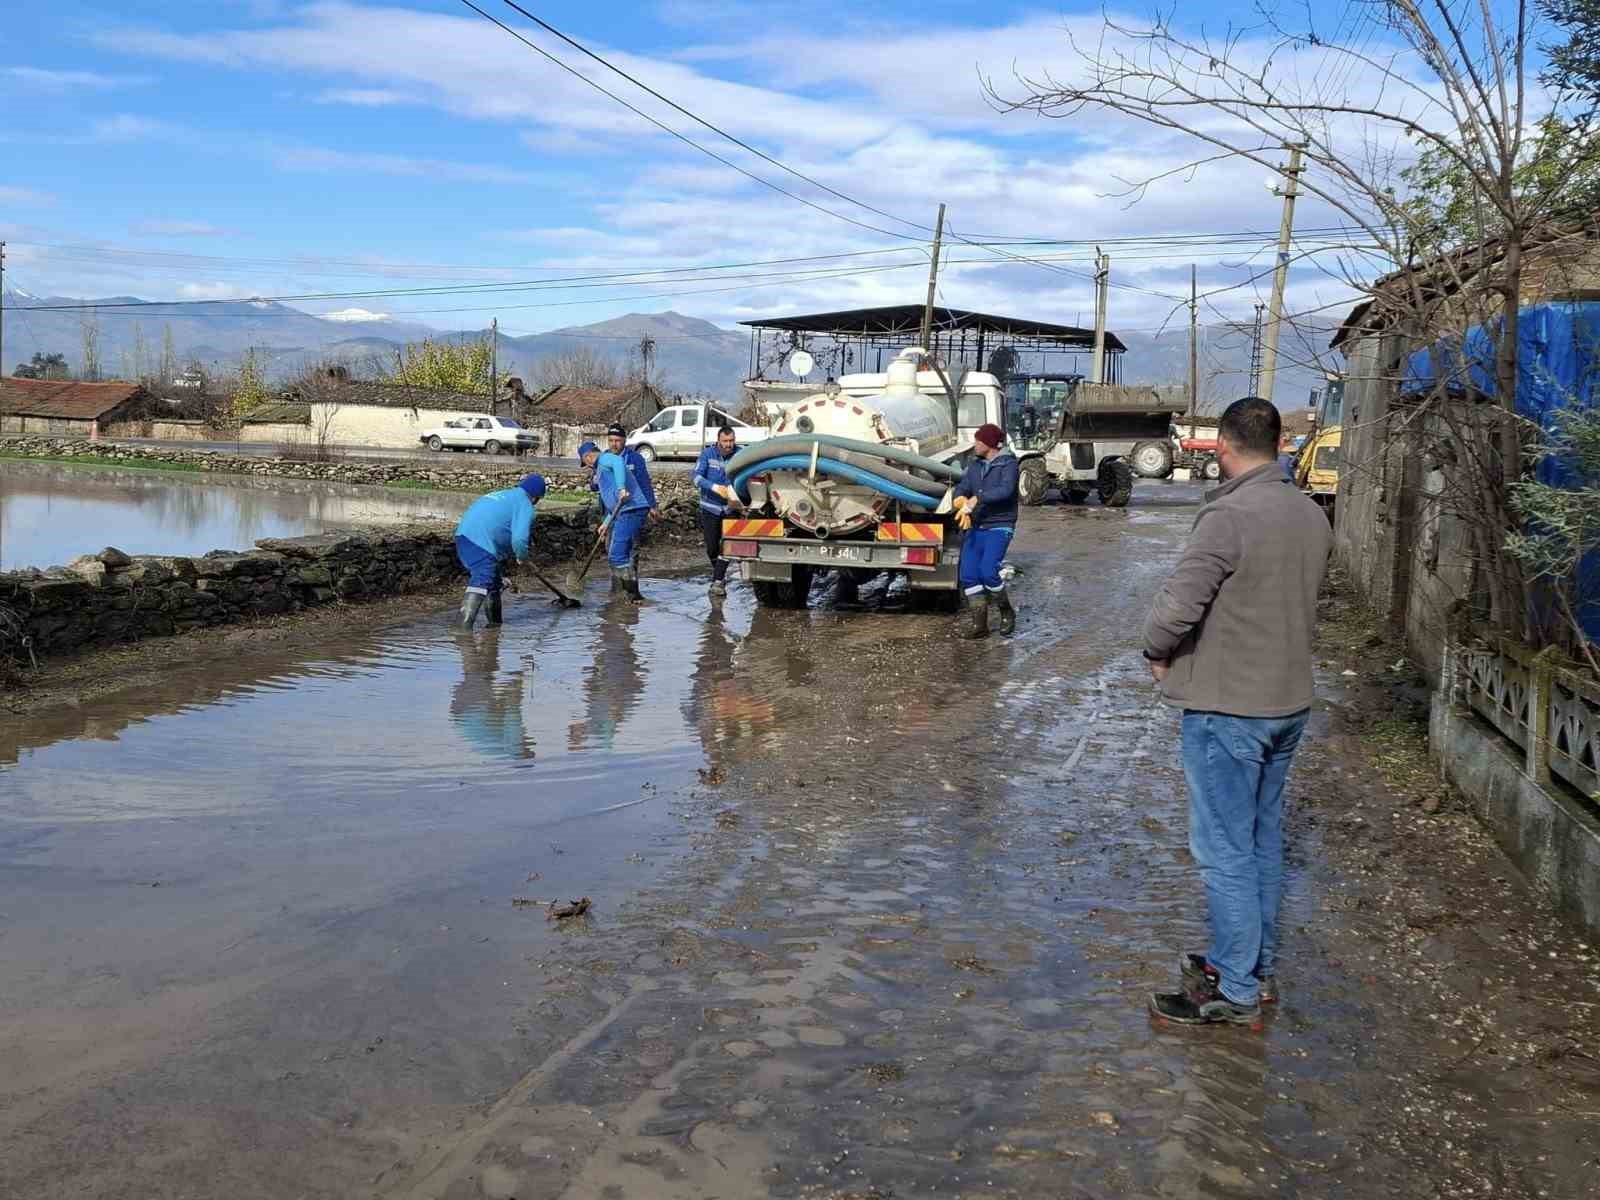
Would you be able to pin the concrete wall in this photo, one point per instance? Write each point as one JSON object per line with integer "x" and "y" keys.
{"x": 375, "y": 425}
{"x": 268, "y": 432}
{"x": 1551, "y": 836}
{"x": 47, "y": 426}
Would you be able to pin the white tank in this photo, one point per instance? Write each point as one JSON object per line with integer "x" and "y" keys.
{"x": 896, "y": 411}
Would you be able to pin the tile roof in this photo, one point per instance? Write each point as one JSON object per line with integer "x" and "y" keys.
{"x": 400, "y": 395}
{"x": 570, "y": 405}
{"x": 65, "y": 399}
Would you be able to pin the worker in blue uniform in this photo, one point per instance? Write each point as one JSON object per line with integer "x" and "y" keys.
{"x": 986, "y": 507}
{"x": 623, "y": 480}
{"x": 495, "y": 530}
{"x": 717, "y": 500}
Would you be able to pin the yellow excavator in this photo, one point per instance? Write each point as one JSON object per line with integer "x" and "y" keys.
{"x": 1316, "y": 467}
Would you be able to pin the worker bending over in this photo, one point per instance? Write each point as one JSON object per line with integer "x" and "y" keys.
{"x": 495, "y": 530}
{"x": 623, "y": 481}
{"x": 986, "y": 507}
{"x": 717, "y": 499}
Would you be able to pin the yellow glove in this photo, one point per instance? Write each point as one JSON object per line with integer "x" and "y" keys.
{"x": 964, "y": 518}
{"x": 725, "y": 492}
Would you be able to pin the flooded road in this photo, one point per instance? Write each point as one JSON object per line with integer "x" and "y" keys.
{"x": 874, "y": 913}
{"x": 51, "y": 514}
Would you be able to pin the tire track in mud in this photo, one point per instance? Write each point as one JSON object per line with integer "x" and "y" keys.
{"x": 899, "y": 970}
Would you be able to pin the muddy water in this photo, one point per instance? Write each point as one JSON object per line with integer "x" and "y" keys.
{"x": 875, "y": 913}
{"x": 51, "y": 514}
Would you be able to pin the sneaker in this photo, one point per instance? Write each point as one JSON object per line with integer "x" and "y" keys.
{"x": 1203, "y": 1008}
{"x": 1198, "y": 973}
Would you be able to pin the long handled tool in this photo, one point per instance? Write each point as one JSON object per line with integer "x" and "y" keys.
{"x": 575, "y": 578}
{"x": 562, "y": 598}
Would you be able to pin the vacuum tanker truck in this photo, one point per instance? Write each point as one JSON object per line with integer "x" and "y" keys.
{"x": 858, "y": 477}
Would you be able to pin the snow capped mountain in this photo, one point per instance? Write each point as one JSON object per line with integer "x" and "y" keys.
{"x": 355, "y": 314}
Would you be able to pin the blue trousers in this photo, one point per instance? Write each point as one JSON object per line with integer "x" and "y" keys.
{"x": 625, "y": 529}
{"x": 1236, "y": 767}
{"x": 483, "y": 568}
{"x": 982, "y": 552}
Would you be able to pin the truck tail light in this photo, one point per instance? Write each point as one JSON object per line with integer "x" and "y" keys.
{"x": 733, "y": 549}
{"x": 919, "y": 556}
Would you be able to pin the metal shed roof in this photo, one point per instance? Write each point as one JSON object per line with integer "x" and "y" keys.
{"x": 894, "y": 320}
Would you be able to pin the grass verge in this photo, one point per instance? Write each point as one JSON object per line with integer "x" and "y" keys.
{"x": 179, "y": 468}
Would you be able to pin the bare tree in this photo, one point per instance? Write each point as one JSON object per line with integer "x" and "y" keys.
{"x": 89, "y": 341}
{"x": 579, "y": 367}
{"x": 1441, "y": 100}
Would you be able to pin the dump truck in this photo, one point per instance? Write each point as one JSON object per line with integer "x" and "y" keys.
{"x": 1316, "y": 466}
{"x": 1080, "y": 437}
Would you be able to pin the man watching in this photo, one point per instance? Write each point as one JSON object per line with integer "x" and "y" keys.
{"x": 1229, "y": 641}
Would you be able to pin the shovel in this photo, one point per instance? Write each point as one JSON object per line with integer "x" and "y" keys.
{"x": 562, "y": 598}
{"x": 575, "y": 578}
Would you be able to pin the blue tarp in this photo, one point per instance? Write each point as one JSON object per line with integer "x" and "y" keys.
{"x": 1558, "y": 368}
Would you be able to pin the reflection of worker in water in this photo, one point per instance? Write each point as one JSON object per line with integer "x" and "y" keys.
{"x": 623, "y": 481}
{"x": 496, "y": 530}
{"x": 612, "y": 685}
{"x": 486, "y": 708}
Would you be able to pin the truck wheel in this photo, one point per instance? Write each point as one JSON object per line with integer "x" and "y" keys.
{"x": 1116, "y": 483}
{"x": 1033, "y": 481}
{"x": 793, "y": 594}
{"x": 435, "y": 444}
{"x": 1152, "y": 460}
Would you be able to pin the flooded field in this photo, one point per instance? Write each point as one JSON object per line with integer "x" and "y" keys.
{"x": 51, "y": 514}
{"x": 874, "y": 913}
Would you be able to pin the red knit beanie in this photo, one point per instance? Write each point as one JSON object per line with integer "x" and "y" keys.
{"x": 990, "y": 436}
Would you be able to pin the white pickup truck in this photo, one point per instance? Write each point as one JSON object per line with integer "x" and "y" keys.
{"x": 683, "y": 430}
{"x": 491, "y": 435}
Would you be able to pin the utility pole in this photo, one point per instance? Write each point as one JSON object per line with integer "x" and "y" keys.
{"x": 933, "y": 282}
{"x": 1255, "y": 354}
{"x": 494, "y": 366}
{"x": 1194, "y": 344}
{"x": 1280, "y": 277}
{"x": 2, "y": 310}
{"x": 1102, "y": 286}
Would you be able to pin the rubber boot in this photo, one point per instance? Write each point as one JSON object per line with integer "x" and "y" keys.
{"x": 1008, "y": 615}
{"x": 977, "y": 625}
{"x": 495, "y": 609}
{"x": 619, "y": 581}
{"x": 469, "y": 608}
{"x": 632, "y": 575}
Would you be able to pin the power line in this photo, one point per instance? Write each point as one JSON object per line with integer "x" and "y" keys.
{"x": 673, "y": 104}
{"x": 684, "y": 138}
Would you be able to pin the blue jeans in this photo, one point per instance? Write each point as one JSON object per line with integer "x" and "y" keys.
{"x": 625, "y": 529}
{"x": 1236, "y": 767}
{"x": 483, "y": 568}
{"x": 982, "y": 552}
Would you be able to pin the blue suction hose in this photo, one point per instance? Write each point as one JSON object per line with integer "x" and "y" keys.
{"x": 828, "y": 466}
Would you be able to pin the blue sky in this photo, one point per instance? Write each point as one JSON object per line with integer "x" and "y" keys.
{"x": 193, "y": 150}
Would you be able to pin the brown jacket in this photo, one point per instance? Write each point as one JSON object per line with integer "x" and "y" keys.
{"x": 1236, "y": 618}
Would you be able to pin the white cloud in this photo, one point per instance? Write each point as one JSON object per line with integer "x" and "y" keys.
{"x": 125, "y": 127}
{"x": 213, "y": 291}
{"x": 24, "y": 197}
{"x": 354, "y": 314}
{"x": 177, "y": 229}
{"x": 39, "y": 79}
{"x": 363, "y": 97}
{"x": 312, "y": 158}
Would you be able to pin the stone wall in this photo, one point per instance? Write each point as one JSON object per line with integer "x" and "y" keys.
{"x": 452, "y": 473}
{"x": 112, "y": 597}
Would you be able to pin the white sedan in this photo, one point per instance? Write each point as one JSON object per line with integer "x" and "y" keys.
{"x": 491, "y": 435}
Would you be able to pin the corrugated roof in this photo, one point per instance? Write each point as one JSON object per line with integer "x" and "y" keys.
{"x": 401, "y": 395}
{"x": 905, "y": 320}
{"x": 65, "y": 399}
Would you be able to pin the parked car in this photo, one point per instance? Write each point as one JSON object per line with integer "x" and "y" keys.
{"x": 491, "y": 435}
{"x": 683, "y": 430}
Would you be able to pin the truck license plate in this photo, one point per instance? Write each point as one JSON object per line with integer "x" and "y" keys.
{"x": 848, "y": 553}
